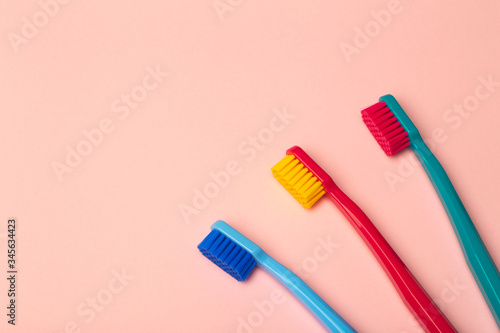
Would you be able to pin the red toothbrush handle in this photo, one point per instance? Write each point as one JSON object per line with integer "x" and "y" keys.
{"x": 415, "y": 298}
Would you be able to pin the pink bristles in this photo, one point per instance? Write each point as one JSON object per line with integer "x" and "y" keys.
{"x": 385, "y": 128}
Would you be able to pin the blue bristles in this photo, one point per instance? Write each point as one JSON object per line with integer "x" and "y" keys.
{"x": 228, "y": 255}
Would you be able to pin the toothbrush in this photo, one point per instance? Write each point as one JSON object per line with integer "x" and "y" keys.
{"x": 237, "y": 255}
{"x": 394, "y": 131}
{"x": 308, "y": 182}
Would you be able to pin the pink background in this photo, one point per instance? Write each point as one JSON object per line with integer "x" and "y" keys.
{"x": 119, "y": 210}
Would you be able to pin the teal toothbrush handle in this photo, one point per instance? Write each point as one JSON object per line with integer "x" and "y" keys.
{"x": 330, "y": 319}
{"x": 478, "y": 259}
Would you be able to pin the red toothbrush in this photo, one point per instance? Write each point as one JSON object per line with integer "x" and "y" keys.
{"x": 308, "y": 182}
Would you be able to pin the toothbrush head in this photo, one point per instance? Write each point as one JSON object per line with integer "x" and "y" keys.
{"x": 224, "y": 250}
{"x": 303, "y": 178}
{"x": 389, "y": 125}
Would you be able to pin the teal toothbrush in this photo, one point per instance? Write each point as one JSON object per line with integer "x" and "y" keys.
{"x": 394, "y": 131}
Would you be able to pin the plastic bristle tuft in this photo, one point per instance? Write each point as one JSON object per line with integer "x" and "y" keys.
{"x": 385, "y": 128}
{"x": 228, "y": 255}
{"x": 298, "y": 180}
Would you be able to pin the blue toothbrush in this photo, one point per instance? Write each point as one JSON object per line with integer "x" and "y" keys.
{"x": 237, "y": 255}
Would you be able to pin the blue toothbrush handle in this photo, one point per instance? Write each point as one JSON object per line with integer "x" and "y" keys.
{"x": 478, "y": 259}
{"x": 330, "y": 319}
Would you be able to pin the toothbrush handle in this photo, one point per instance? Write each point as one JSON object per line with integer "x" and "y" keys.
{"x": 415, "y": 298}
{"x": 476, "y": 255}
{"x": 330, "y": 319}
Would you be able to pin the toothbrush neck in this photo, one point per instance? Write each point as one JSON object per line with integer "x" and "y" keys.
{"x": 352, "y": 212}
{"x": 421, "y": 150}
{"x": 332, "y": 191}
{"x": 414, "y": 136}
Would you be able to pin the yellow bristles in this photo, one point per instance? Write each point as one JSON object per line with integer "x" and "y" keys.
{"x": 298, "y": 180}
